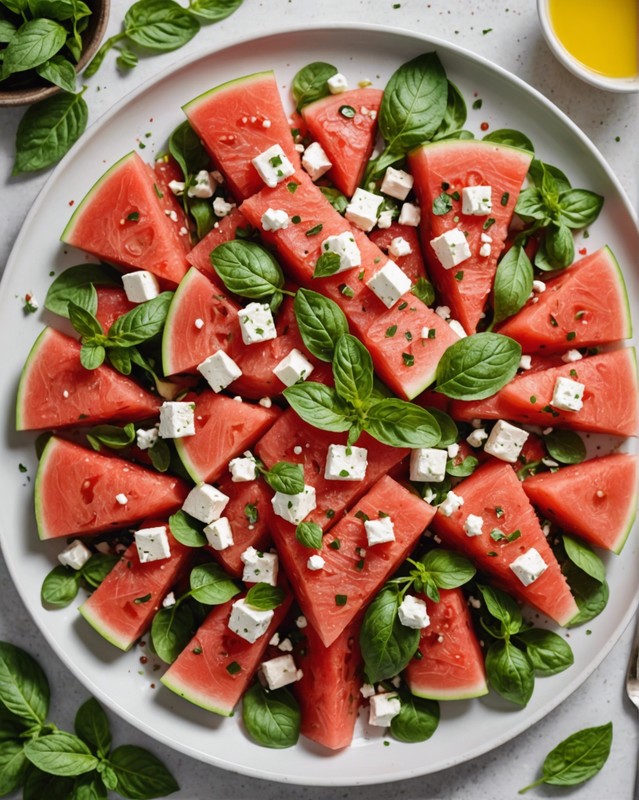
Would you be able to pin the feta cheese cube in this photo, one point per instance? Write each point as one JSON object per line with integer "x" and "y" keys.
{"x": 205, "y": 503}
{"x": 409, "y": 214}
{"x": 259, "y": 567}
{"x": 202, "y": 186}
{"x": 443, "y": 312}
{"x": 121, "y": 499}
{"x": 538, "y": 286}
{"x": 399, "y": 247}
{"x": 477, "y": 200}
{"x": 286, "y": 646}
{"x": 337, "y": 83}
{"x": 345, "y": 247}
{"x": 145, "y": 438}
{"x": 279, "y": 671}
{"x": 219, "y": 534}
{"x": 275, "y": 219}
{"x": 140, "y": 286}
{"x": 412, "y": 613}
{"x": 451, "y": 248}
{"x": 367, "y": 690}
{"x": 363, "y": 209}
{"x": 453, "y": 450}
{"x": 485, "y": 250}
{"x": 505, "y": 441}
{"x": 568, "y": 395}
{"x": 293, "y": 368}
{"x": 379, "y": 531}
{"x": 221, "y": 208}
{"x": 455, "y": 325}
{"x": 383, "y": 708}
{"x": 152, "y": 544}
{"x": 473, "y": 525}
{"x": 242, "y": 469}
{"x": 346, "y": 463}
{"x": 273, "y": 166}
{"x": 385, "y": 219}
{"x": 169, "y": 600}
{"x": 477, "y": 437}
{"x": 397, "y": 183}
{"x": 428, "y": 464}
{"x": 315, "y": 563}
{"x": 525, "y": 362}
{"x": 315, "y": 161}
{"x": 219, "y": 370}
{"x": 389, "y": 283}
{"x": 450, "y": 504}
{"x": 249, "y": 623}
{"x": 528, "y": 566}
{"x": 177, "y": 419}
{"x": 294, "y": 507}
{"x": 256, "y": 323}
{"x": 177, "y": 187}
{"x": 571, "y": 356}
{"x": 75, "y": 555}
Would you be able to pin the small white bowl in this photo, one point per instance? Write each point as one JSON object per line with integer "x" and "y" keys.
{"x": 575, "y": 66}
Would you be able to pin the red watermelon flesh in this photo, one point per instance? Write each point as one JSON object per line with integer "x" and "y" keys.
{"x": 229, "y": 119}
{"x": 347, "y": 140}
{"x": 332, "y": 597}
{"x": 413, "y": 263}
{"x": 224, "y": 428}
{"x": 609, "y": 400}
{"x": 494, "y": 493}
{"x": 112, "y": 303}
{"x": 122, "y": 608}
{"x": 200, "y": 673}
{"x": 223, "y": 231}
{"x": 76, "y": 489}
{"x": 328, "y": 691}
{"x": 166, "y": 170}
{"x": 585, "y": 306}
{"x": 56, "y": 391}
{"x": 596, "y": 499}
{"x": 452, "y": 662}
{"x": 122, "y": 220}
{"x": 333, "y": 497}
{"x": 449, "y": 166}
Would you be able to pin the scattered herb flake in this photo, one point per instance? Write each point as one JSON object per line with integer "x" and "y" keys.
{"x": 390, "y": 332}
{"x": 340, "y": 599}
{"x": 478, "y": 104}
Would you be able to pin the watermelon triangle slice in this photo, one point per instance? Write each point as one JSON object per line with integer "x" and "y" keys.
{"x": 445, "y": 168}
{"x": 602, "y": 498}
{"x": 126, "y": 219}
{"x": 56, "y": 391}
{"x": 224, "y": 230}
{"x": 345, "y": 125}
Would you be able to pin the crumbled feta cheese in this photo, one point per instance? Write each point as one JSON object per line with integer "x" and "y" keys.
{"x": 298, "y": 450}
{"x": 286, "y": 646}
{"x": 140, "y": 286}
{"x": 456, "y": 326}
{"x": 505, "y": 441}
{"x": 363, "y": 209}
{"x": 346, "y": 463}
{"x": 568, "y": 395}
{"x": 219, "y": 370}
{"x": 451, "y": 248}
{"x": 171, "y": 213}
{"x": 477, "y": 437}
{"x": 477, "y": 200}
{"x": 453, "y": 450}
{"x": 205, "y": 503}
{"x": 279, "y": 671}
{"x": 337, "y": 83}
{"x": 152, "y": 544}
{"x": 243, "y": 469}
{"x": 221, "y": 208}
{"x": 75, "y": 555}
{"x": 249, "y": 623}
{"x": 199, "y": 323}
{"x": 428, "y": 464}
{"x": 367, "y": 690}
{"x": 273, "y": 166}
{"x": 383, "y": 708}
{"x": 549, "y": 462}
{"x": 177, "y": 419}
{"x": 265, "y": 402}
{"x": 410, "y": 214}
{"x": 177, "y": 187}
{"x": 570, "y": 356}
{"x": 484, "y": 237}
{"x": 389, "y": 283}
{"x": 146, "y": 438}
{"x": 397, "y": 183}
{"x": 525, "y": 362}
{"x": 528, "y": 566}
{"x": 399, "y": 247}
{"x": 385, "y": 219}
{"x": 485, "y": 250}
{"x": 412, "y": 613}
{"x": 275, "y": 219}
{"x": 379, "y": 531}
{"x": 345, "y": 247}
{"x": 121, "y": 499}
{"x": 443, "y": 312}
{"x": 450, "y": 504}
{"x": 219, "y": 534}
{"x": 538, "y": 286}
{"x": 473, "y": 525}
{"x": 256, "y": 323}
{"x": 294, "y": 507}
{"x": 293, "y": 368}
{"x": 169, "y": 600}
{"x": 315, "y": 161}
{"x": 301, "y": 621}
{"x": 203, "y": 187}
{"x": 274, "y": 640}
{"x": 259, "y": 567}
{"x": 315, "y": 563}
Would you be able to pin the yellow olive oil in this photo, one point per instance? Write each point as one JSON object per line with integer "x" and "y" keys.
{"x": 602, "y": 34}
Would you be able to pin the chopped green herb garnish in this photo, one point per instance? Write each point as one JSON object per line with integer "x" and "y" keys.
{"x": 347, "y": 111}
{"x": 233, "y": 668}
{"x": 340, "y": 599}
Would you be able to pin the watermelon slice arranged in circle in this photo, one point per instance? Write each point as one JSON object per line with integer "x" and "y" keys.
{"x": 596, "y": 499}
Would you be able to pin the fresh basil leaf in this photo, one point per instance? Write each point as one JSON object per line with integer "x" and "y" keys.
{"x": 159, "y": 25}
{"x": 272, "y": 719}
{"x": 247, "y": 269}
{"x": 455, "y": 114}
{"x": 203, "y": 214}
{"x": 442, "y": 204}
{"x": 61, "y": 753}
{"x": 548, "y": 652}
{"x": 318, "y": 405}
{"x": 579, "y": 207}
{"x": 567, "y": 447}
{"x": 585, "y": 558}
{"x": 59, "y": 10}
{"x": 591, "y": 596}
{"x": 211, "y": 585}
{"x": 401, "y": 424}
{"x": 326, "y": 265}
{"x": 171, "y": 631}
{"x": 85, "y": 323}
{"x": 59, "y": 71}
{"x": 352, "y": 370}
{"x": 417, "y": 720}
{"x": 13, "y": 765}
{"x": 424, "y": 291}
{"x": 387, "y": 646}
{"x": 126, "y": 59}
{"x": 92, "y": 356}
{"x": 265, "y": 597}
{"x": 530, "y": 205}
{"x": 511, "y": 138}
{"x": 7, "y": 30}
{"x": 48, "y": 130}
{"x": 285, "y": 477}
{"x": 447, "y": 426}
{"x": 60, "y": 587}
{"x": 141, "y": 776}
{"x": 214, "y": 10}
{"x": 447, "y": 569}
{"x": 92, "y": 785}
{"x": 187, "y": 149}
{"x": 559, "y": 246}
{"x": 513, "y": 283}
{"x": 321, "y": 322}
{"x": 463, "y": 469}
{"x": 24, "y": 689}
{"x": 39, "y": 784}
{"x": 335, "y": 198}
{"x": 577, "y": 759}
{"x": 11, "y": 727}
{"x": 76, "y": 284}
{"x": 310, "y": 83}
{"x": 92, "y": 726}
{"x": 111, "y": 436}
{"x": 309, "y": 534}
{"x": 478, "y": 366}
{"x": 503, "y": 608}
{"x": 142, "y": 323}
{"x": 186, "y": 529}
{"x": 160, "y": 455}
{"x": 35, "y": 42}
{"x": 98, "y": 567}
{"x": 510, "y": 672}
{"x": 538, "y": 169}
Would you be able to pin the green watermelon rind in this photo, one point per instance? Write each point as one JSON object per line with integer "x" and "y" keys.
{"x": 105, "y": 630}
{"x": 182, "y": 689}
{"x": 478, "y": 688}
{"x": 458, "y": 144}
{"x": 40, "y": 511}
{"x": 624, "y": 531}
{"x": 21, "y": 404}
{"x": 201, "y": 99}
{"x": 168, "y": 337}
{"x": 624, "y": 300}
{"x": 187, "y": 462}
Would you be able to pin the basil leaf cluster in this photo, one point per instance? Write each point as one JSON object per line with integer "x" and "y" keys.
{"x": 61, "y": 585}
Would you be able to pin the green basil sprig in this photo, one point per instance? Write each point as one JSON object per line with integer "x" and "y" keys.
{"x": 320, "y": 321}
{"x": 272, "y": 718}
{"x": 309, "y": 534}
{"x": 511, "y": 138}
{"x": 309, "y": 83}
{"x": 454, "y": 116}
{"x": 586, "y": 576}
{"x": 567, "y": 447}
{"x": 112, "y": 436}
{"x": 513, "y": 283}
{"x": 61, "y": 585}
{"x": 478, "y": 366}
{"x": 284, "y": 477}
{"x": 265, "y": 597}
{"x": 417, "y": 720}
{"x": 76, "y": 284}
